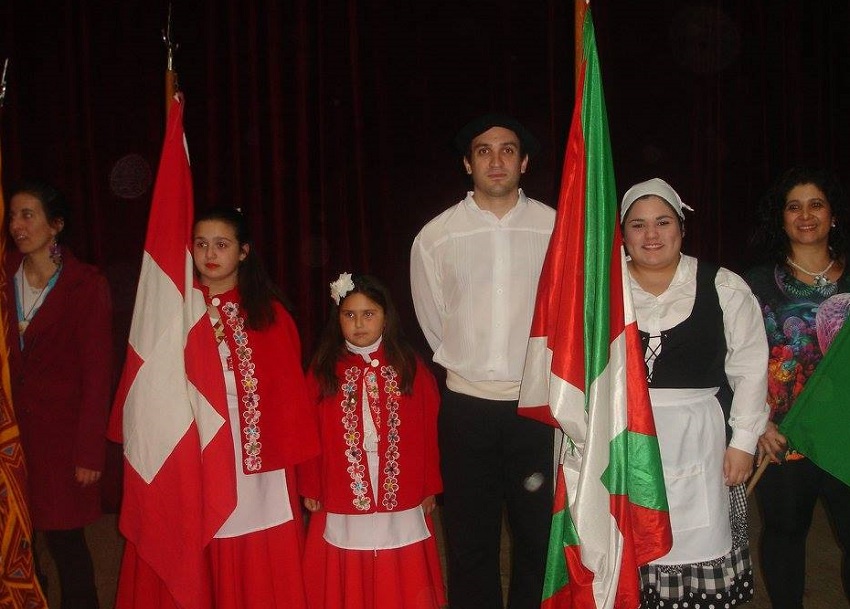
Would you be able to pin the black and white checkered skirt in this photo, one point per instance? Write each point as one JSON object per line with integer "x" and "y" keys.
{"x": 715, "y": 584}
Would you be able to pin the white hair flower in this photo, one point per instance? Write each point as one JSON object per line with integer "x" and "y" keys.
{"x": 341, "y": 287}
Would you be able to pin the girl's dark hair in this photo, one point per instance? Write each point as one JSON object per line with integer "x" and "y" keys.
{"x": 52, "y": 201}
{"x": 400, "y": 355}
{"x": 770, "y": 240}
{"x": 257, "y": 291}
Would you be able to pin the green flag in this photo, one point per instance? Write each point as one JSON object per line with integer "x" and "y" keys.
{"x": 818, "y": 425}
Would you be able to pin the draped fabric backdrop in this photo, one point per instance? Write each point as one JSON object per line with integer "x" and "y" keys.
{"x": 329, "y": 121}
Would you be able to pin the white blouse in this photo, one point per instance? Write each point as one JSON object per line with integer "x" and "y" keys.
{"x": 262, "y": 499}
{"x": 746, "y": 343}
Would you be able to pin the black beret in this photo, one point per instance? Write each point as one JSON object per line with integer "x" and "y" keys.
{"x": 479, "y": 125}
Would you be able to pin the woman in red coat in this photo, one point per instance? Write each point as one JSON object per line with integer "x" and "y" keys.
{"x": 370, "y": 544}
{"x": 60, "y": 356}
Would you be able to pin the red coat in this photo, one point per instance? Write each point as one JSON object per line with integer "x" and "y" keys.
{"x": 277, "y": 398}
{"x": 413, "y": 465}
{"x": 62, "y": 390}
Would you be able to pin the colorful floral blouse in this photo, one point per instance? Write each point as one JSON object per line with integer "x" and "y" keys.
{"x": 801, "y": 320}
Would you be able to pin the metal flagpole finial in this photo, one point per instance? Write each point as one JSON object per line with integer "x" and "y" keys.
{"x": 3, "y": 82}
{"x": 167, "y": 38}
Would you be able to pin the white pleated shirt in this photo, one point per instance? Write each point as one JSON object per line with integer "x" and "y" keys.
{"x": 474, "y": 284}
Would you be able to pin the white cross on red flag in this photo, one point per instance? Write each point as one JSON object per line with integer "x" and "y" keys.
{"x": 171, "y": 409}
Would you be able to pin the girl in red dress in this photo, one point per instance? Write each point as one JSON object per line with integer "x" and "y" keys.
{"x": 370, "y": 543}
{"x": 256, "y": 555}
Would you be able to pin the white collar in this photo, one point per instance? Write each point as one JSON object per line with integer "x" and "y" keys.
{"x": 365, "y": 352}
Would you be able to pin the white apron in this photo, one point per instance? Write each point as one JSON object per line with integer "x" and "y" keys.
{"x": 692, "y": 438}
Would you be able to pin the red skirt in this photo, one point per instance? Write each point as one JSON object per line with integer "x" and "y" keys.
{"x": 261, "y": 570}
{"x": 402, "y": 578}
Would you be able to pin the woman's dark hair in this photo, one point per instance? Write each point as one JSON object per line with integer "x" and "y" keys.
{"x": 257, "y": 291}
{"x": 400, "y": 355}
{"x": 52, "y": 201}
{"x": 770, "y": 239}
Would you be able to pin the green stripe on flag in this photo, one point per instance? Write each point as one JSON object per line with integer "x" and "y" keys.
{"x": 600, "y": 209}
{"x": 634, "y": 470}
{"x": 563, "y": 534}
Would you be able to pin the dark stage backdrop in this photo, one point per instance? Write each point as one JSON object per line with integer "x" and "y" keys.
{"x": 329, "y": 121}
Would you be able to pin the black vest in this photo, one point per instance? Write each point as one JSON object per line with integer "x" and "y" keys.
{"x": 693, "y": 353}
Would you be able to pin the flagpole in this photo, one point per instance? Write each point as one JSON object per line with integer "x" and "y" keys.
{"x": 3, "y": 83}
{"x": 765, "y": 461}
{"x": 171, "y": 84}
{"x": 580, "y": 10}
{"x": 4, "y": 367}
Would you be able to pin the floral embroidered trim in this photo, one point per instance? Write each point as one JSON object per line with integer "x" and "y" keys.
{"x": 250, "y": 398}
{"x": 373, "y": 394}
{"x": 391, "y": 468}
{"x": 359, "y": 485}
{"x": 354, "y": 453}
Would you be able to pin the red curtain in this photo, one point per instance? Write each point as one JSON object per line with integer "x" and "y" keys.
{"x": 329, "y": 121}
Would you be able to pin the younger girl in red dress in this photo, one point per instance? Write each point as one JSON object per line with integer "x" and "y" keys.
{"x": 370, "y": 543}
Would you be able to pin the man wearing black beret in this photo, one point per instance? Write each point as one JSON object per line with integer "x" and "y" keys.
{"x": 474, "y": 273}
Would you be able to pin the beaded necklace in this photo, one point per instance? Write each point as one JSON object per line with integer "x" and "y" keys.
{"x": 820, "y": 278}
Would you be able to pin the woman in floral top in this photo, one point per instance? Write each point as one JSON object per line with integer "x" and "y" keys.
{"x": 805, "y": 295}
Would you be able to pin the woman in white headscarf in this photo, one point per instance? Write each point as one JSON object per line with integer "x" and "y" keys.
{"x": 705, "y": 352}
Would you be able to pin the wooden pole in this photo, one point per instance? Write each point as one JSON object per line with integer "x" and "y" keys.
{"x": 765, "y": 461}
{"x": 580, "y": 11}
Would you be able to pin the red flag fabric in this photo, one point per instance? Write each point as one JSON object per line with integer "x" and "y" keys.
{"x": 171, "y": 410}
